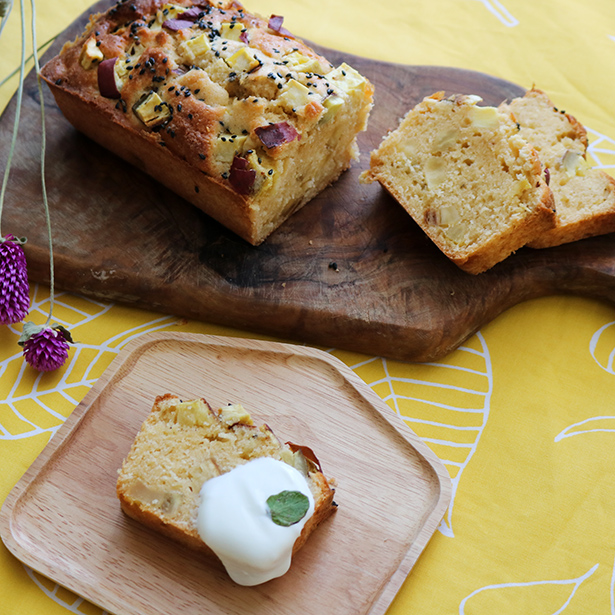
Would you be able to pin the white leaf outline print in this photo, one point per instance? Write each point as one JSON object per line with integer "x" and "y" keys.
{"x": 446, "y": 525}
{"x": 568, "y": 433}
{"x": 65, "y": 385}
{"x": 600, "y": 144}
{"x": 72, "y": 607}
{"x": 499, "y": 10}
{"x": 593, "y": 343}
{"x": 576, "y": 582}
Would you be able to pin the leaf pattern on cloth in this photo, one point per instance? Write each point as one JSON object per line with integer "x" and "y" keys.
{"x": 521, "y": 591}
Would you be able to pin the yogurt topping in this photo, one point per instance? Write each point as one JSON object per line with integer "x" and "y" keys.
{"x": 235, "y": 522}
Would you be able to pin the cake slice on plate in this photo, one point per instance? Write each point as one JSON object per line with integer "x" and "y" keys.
{"x": 218, "y": 483}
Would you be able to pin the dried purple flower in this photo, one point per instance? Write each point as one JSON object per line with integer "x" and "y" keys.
{"x": 45, "y": 347}
{"x": 14, "y": 297}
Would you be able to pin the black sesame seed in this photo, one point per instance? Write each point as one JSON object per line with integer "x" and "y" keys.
{"x": 196, "y": 189}
{"x": 58, "y": 81}
{"x": 189, "y": 116}
{"x": 270, "y": 172}
{"x": 224, "y": 175}
{"x": 197, "y": 90}
{"x": 202, "y": 156}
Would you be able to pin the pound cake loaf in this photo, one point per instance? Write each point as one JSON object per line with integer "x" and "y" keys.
{"x": 584, "y": 197}
{"x": 467, "y": 178}
{"x": 185, "y": 451}
{"x": 227, "y": 109}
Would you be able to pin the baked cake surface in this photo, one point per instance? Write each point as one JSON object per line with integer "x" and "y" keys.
{"x": 468, "y": 179}
{"x": 584, "y": 197}
{"x": 183, "y": 444}
{"x": 228, "y": 109}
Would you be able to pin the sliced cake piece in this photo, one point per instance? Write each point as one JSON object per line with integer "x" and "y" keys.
{"x": 467, "y": 178}
{"x": 584, "y": 197}
{"x": 205, "y": 478}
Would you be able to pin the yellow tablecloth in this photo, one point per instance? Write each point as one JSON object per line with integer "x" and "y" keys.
{"x": 522, "y": 415}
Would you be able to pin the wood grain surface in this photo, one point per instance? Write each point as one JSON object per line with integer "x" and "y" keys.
{"x": 64, "y": 520}
{"x": 350, "y": 270}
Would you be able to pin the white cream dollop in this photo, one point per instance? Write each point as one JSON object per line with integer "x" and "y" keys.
{"x": 235, "y": 522}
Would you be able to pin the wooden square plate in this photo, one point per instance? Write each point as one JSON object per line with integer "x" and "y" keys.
{"x": 63, "y": 518}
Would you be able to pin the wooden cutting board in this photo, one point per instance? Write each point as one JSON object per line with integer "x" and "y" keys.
{"x": 350, "y": 270}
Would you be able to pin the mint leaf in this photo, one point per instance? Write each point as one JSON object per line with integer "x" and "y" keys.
{"x": 288, "y": 507}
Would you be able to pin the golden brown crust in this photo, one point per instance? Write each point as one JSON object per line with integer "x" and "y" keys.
{"x": 212, "y": 85}
{"x": 142, "y": 150}
{"x": 496, "y": 249}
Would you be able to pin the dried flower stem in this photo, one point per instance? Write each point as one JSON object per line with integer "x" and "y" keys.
{"x": 43, "y": 150}
{"x": 22, "y": 69}
{"x": 6, "y": 6}
{"x": 28, "y": 59}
